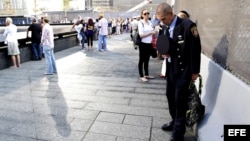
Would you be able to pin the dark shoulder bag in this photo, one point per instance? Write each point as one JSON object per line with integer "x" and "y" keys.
{"x": 196, "y": 109}
{"x": 137, "y": 36}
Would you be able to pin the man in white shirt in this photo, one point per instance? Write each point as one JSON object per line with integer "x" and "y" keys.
{"x": 10, "y": 34}
{"x": 103, "y": 32}
{"x": 47, "y": 42}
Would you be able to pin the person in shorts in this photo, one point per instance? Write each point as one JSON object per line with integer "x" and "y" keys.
{"x": 11, "y": 39}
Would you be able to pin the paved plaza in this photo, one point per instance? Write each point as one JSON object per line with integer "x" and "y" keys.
{"x": 96, "y": 96}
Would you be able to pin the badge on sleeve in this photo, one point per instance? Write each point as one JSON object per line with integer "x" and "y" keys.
{"x": 194, "y": 31}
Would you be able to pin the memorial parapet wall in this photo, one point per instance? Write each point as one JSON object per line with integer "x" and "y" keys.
{"x": 224, "y": 30}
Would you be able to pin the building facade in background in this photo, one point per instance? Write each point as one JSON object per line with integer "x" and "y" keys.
{"x": 12, "y": 7}
{"x": 64, "y": 11}
{"x": 33, "y": 7}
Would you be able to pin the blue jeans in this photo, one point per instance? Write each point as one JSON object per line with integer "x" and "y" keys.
{"x": 102, "y": 42}
{"x": 50, "y": 59}
{"x": 36, "y": 50}
{"x": 83, "y": 39}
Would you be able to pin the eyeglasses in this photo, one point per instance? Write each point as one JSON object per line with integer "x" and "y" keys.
{"x": 146, "y": 13}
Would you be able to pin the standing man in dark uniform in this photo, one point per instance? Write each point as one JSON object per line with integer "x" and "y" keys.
{"x": 36, "y": 33}
{"x": 183, "y": 66}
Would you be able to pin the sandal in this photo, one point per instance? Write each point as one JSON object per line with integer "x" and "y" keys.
{"x": 161, "y": 76}
{"x": 143, "y": 79}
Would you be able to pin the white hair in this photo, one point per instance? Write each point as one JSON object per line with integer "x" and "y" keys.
{"x": 8, "y": 20}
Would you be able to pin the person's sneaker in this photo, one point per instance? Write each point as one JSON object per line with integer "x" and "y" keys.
{"x": 48, "y": 73}
{"x": 161, "y": 76}
{"x": 143, "y": 79}
{"x": 149, "y": 77}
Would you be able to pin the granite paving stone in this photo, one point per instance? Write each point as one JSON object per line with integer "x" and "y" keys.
{"x": 37, "y": 93}
{"x": 20, "y": 116}
{"x": 99, "y": 99}
{"x": 57, "y": 133}
{"x": 110, "y": 117}
{"x": 16, "y": 106}
{"x": 62, "y": 122}
{"x": 24, "y": 129}
{"x": 77, "y": 91}
{"x": 83, "y": 114}
{"x": 129, "y": 139}
{"x": 139, "y": 96}
{"x": 138, "y": 120}
{"x": 124, "y": 109}
{"x": 81, "y": 124}
{"x": 59, "y": 102}
{"x": 149, "y": 103}
{"x": 122, "y": 130}
{"x": 158, "y": 122}
{"x": 160, "y": 135}
{"x": 7, "y": 125}
{"x": 99, "y": 137}
{"x": 151, "y": 91}
{"x": 137, "y": 86}
{"x": 18, "y": 97}
{"x": 9, "y": 137}
{"x": 50, "y": 109}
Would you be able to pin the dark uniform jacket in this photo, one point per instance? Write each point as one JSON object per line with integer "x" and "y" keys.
{"x": 185, "y": 48}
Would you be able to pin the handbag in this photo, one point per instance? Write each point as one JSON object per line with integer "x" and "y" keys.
{"x": 196, "y": 109}
{"x": 154, "y": 40}
{"x": 137, "y": 38}
{"x": 137, "y": 35}
{"x": 153, "y": 52}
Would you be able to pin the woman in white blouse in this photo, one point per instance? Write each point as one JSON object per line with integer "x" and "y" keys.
{"x": 11, "y": 39}
{"x": 146, "y": 32}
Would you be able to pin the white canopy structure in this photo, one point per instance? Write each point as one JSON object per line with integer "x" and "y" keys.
{"x": 139, "y": 6}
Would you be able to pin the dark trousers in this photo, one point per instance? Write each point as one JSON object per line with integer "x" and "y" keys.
{"x": 36, "y": 50}
{"x": 90, "y": 40}
{"x": 131, "y": 36}
{"x": 144, "y": 56}
{"x": 177, "y": 91}
{"x": 83, "y": 39}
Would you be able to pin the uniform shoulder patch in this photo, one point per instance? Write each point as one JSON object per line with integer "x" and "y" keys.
{"x": 194, "y": 31}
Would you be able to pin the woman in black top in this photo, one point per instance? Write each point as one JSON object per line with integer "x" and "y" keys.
{"x": 90, "y": 33}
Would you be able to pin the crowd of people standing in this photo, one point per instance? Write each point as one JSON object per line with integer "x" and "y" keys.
{"x": 42, "y": 43}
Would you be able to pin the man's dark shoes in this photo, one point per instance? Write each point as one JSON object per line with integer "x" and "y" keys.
{"x": 167, "y": 127}
{"x": 177, "y": 139}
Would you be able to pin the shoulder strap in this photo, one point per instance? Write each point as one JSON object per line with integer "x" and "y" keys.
{"x": 200, "y": 84}
{"x": 141, "y": 23}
